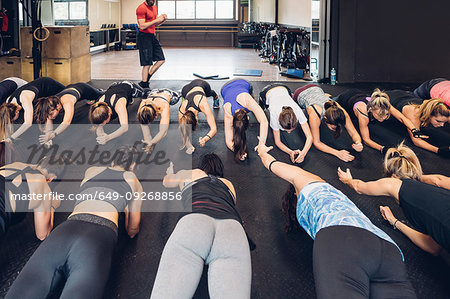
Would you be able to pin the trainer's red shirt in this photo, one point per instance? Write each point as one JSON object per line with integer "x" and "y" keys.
{"x": 149, "y": 13}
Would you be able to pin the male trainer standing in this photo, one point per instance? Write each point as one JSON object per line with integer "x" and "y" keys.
{"x": 149, "y": 48}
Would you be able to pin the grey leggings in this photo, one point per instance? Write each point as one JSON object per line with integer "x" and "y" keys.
{"x": 197, "y": 240}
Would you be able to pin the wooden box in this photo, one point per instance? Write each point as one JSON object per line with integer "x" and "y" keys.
{"x": 26, "y": 42}
{"x": 67, "y": 42}
{"x": 27, "y": 69}
{"x": 9, "y": 67}
{"x": 70, "y": 70}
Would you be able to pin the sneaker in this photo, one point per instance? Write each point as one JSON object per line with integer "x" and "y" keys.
{"x": 147, "y": 92}
{"x": 216, "y": 103}
{"x": 144, "y": 84}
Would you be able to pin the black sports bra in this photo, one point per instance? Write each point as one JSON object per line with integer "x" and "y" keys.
{"x": 22, "y": 189}
{"x": 158, "y": 97}
{"x": 109, "y": 180}
{"x": 190, "y": 101}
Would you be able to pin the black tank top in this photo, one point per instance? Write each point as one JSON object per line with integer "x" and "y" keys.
{"x": 401, "y": 98}
{"x": 81, "y": 91}
{"x": 7, "y": 217}
{"x": 7, "y": 87}
{"x": 42, "y": 87}
{"x": 211, "y": 197}
{"x": 427, "y": 208}
{"x": 190, "y": 101}
{"x": 109, "y": 180}
{"x": 120, "y": 90}
{"x": 194, "y": 83}
{"x": 349, "y": 98}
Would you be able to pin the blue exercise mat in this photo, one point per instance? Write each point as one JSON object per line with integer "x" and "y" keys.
{"x": 293, "y": 73}
{"x": 244, "y": 72}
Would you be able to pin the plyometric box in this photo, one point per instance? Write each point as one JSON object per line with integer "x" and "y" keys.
{"x": 27, "y": 69}
{"x": 63, "y": 42}
{"x": 71, "y": 70}
{"x": 67, "y": 42}
{"x": 26, "y": 42}
{"x": 9, "y": 67}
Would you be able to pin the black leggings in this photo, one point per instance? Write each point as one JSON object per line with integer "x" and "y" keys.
{"x": 77, "y": 251}
{"x": 423, "y": 91}
{"x": 83, "y": 91}
{"x": 198, "y": 83}
{"x": 351, "y": 262}
{"x": 265, "y": 90}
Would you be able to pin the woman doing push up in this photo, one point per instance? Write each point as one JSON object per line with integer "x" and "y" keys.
{"x": 79, "y": 251}
{"x": 156, "y": 104}
{"x": 323, "y": 112}
{"x": 71, "y": 100}
{"x": 211, "y": 234}
{"x": 111, "y": 105}
{"x": 238, "y": 103}
{"x": 425, "y": 206}
{"x": 352, "y": 258}
{"x": 194, "y": 101}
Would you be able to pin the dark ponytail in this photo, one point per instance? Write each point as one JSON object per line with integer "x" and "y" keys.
{"x": 43, "y": 107}
{"x": 146, "y": 115}
{"x": 287, "y": 118}
{"x": 240, "y": 125}
{"x": 335, "y": 116}
{"x": 211, "y": 164}
{"x": 289, "y": 207}
{"x": 98, "y": 113}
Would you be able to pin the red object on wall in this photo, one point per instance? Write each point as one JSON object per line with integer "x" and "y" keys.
{"x": 4, "y": 21}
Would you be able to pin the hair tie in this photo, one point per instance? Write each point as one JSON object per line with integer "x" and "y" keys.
{"x": 396, "y": 155}
{"x": 270, "y": 165}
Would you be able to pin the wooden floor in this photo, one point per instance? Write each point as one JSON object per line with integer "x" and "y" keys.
{"x": 182, "y": 62}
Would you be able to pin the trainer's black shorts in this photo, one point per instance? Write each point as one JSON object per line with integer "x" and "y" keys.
{"x": 149, "y": 49}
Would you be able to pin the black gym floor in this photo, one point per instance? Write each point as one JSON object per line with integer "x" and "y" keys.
{"x": 281, "y": 262}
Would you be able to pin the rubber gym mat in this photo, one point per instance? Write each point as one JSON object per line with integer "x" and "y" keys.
{"x": 245, "y": 72}
{"x": 205, "y": 77}
{"x": 212, "y": 77}
{"x": 281, "y": 262}
{"x": 293, "y": 73}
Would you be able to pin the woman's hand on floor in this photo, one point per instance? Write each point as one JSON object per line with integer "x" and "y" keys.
{"x": 345, "y": 156}
{"x": 387, "y": 214}
{"x": 358, "y": 146}
{"x": 102, "y": 139}
{"x": 262, "y": 148}
{"x": 346, "y": 176}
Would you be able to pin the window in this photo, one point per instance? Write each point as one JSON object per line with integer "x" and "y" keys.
{"x": 70, "y": 12}
{"x": 197, "y": 9}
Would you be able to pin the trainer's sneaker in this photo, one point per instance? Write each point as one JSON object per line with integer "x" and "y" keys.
{"x": 144, "y": 84}
{"x": 216, "y": 103}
